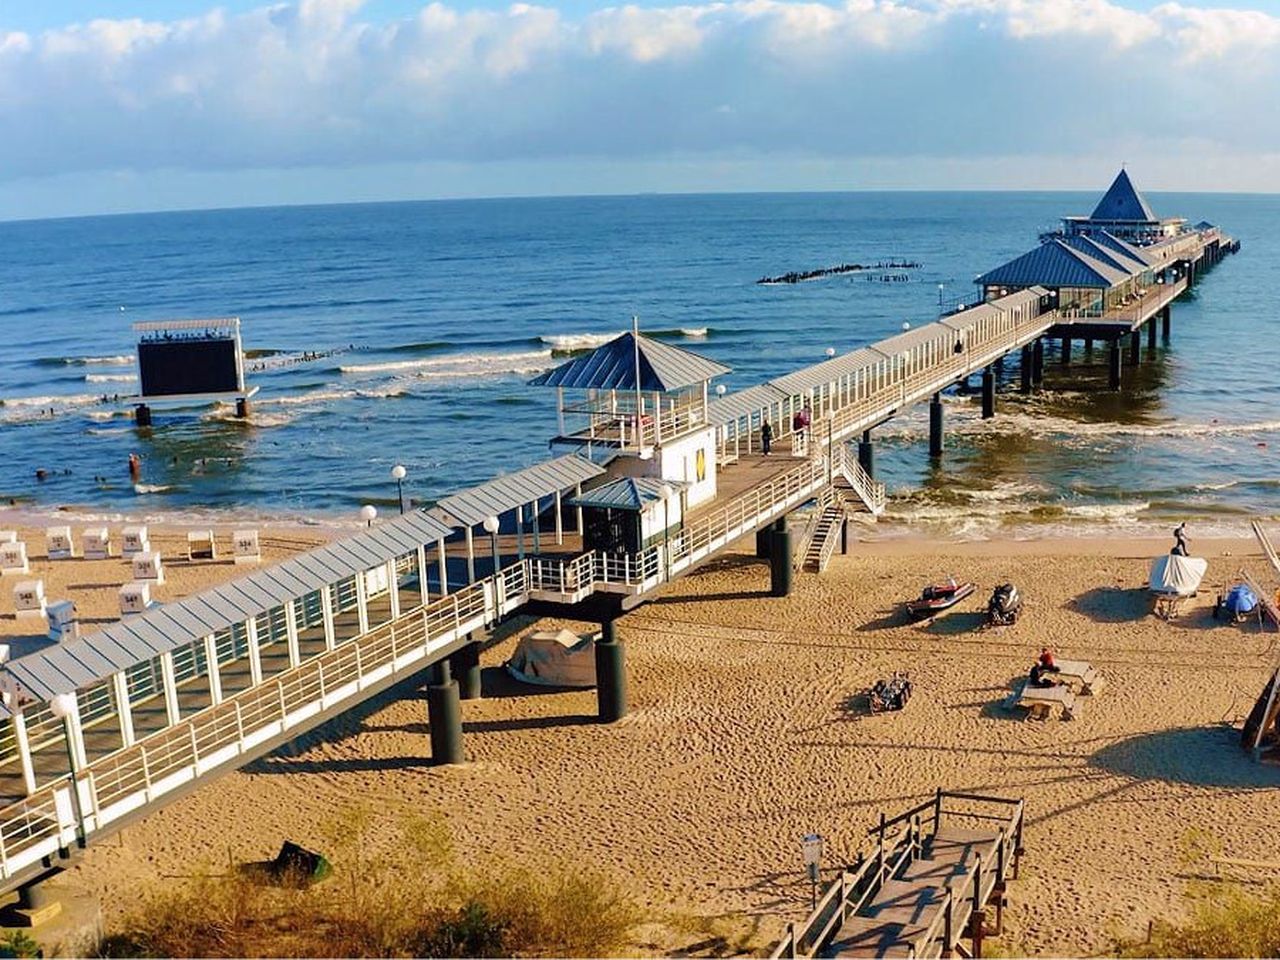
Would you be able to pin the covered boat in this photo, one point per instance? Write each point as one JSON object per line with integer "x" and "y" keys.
{"x": 1177, "y": 576}
{"x": 555, "y": 658}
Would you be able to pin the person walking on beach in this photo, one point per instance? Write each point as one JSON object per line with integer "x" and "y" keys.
{"x": 766, "y": 437}
{"x": 1180, "y": 540}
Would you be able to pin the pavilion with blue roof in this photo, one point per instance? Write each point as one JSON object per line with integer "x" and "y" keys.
{"x": 640, "y": 393}
{"x": 1124, "y": 213}
{"x": 1087, "y": 274}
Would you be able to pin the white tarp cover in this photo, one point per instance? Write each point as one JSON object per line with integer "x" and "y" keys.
{"x": 1177, "y": 576}
{"x": 555, "y": 658}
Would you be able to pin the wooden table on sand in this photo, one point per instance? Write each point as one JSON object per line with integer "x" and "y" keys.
{"x": 1082, "y": 670}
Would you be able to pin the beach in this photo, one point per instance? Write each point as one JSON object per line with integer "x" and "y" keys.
{"x": 748, "y": 730}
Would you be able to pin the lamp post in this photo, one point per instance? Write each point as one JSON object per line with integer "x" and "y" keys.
{"x": 397, "y": 474}
{"x": 491, "y": 528}
{"x": 665, "y": 491}
{"x": 367, "y": 514}
{"x": 63, "y": 706}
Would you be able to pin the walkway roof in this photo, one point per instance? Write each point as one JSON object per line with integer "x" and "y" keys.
{"x": 627, "y": 493}
{"x": 1103, "y": 238}
{"x": 80, "y": 663}
{"x": 735, "y": 406}
{"x": 1111, "y": 257}
{"x": 1122, "y": 201}
{"x": 828, "y": 371}
{"x": 494, "y": 497}
{"x": 612, "y": 366}
{"x": 1054, "y": 264}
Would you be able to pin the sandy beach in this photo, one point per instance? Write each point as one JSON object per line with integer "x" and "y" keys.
{"x": 748, "y": 731}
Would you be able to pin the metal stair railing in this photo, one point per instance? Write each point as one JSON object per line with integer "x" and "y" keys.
{"x": 870, "y": 492}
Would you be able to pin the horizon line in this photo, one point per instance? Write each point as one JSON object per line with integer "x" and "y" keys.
{"x": 486, "y": 198}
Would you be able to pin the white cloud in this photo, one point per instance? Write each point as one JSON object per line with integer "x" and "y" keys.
{"x": 316, "y": 82}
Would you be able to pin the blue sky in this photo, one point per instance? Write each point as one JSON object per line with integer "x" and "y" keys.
{"x": 111, "y": 105}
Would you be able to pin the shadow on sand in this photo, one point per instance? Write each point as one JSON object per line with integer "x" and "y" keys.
{"x": 1201, "y": 756}
{"x": 1113, "y": 604}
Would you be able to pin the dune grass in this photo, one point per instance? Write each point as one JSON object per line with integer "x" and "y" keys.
{"x": 420, "y": 902}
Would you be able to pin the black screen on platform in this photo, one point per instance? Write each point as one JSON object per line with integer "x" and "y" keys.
{"x": 170, "y": 367}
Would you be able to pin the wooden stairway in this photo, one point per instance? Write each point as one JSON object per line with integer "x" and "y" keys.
{"x": 822, "y": 543}
{"x": 926, "y": 886}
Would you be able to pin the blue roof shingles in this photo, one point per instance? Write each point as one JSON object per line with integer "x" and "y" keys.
{"x": 1122, "y": 201}
{"x": 1054, "y": 264}
{"x": 612, "y": 366}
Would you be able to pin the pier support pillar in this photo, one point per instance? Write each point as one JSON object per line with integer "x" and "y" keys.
{"x": 1135, "y": 348}
{"x": 844, "y": 536}
{"x": 444, "y": 716}
{"x": 999, "y": 365}
{"x": 762, "y": 542}
{"x": 780, "y": 563}
{"x": 1088, "y": 345}
{"x": 1037, "y": 364}
{"x": 242, "y": 408}
{"x": 465, "y": 665}
{"x": 1113, "y": 378}
{"x": 1166, "y": 316}
{"x": 1151, "y": 335}
{"x": 1026, "y": 369}
{"x": 935, "y": 425}
{"x": 142, "y": 415}
{"x": 988, "y": 394}
{"x": 867, "y": 454}
{"x": 1066, "y": 351}
{"x": 611, "y": 674}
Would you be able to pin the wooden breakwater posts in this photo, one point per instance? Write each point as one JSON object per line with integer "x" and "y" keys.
{"x": 924, "y": 886}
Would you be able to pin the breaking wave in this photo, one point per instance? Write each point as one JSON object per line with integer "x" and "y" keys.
{"x": 110, "y": 378}
{"x": 457, "y": 367}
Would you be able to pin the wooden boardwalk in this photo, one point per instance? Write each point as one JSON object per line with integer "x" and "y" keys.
{"x": 923, "y": 888}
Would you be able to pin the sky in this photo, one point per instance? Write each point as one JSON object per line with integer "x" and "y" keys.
{"x": 123, "y": 105}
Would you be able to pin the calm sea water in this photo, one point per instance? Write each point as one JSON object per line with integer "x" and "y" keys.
{"x": 430, "y": 318}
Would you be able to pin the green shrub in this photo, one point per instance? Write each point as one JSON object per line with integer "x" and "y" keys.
{"x": 1225, "y": 922}
{"x": 414, "y": 901}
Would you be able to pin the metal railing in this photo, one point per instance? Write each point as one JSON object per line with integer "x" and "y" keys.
{"x": 114, "y": 786}
{"x": 871, "y": 492}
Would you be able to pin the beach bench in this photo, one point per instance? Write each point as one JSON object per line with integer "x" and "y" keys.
{"x": 1039, "y": 701}
{"x": 1091, "y": 681}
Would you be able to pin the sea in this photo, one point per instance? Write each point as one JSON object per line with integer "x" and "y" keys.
{"x": 406, "y": 333}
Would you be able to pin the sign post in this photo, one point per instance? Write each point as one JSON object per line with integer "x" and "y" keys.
{"x": 811, "y": 847}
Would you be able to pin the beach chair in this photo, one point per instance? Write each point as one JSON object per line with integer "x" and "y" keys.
{"x": 245, "y": 546}
{"x": 1039, "y": 701}
{"x": 95, "y": 543}
{"x": 147, "y": 567}
{"x": 28, "y": 599}
{"x": 200, "y": 546}
{"x": 13, "y": 558}
{"x": 134, "y": 541}
{"x": 60, "y": 545}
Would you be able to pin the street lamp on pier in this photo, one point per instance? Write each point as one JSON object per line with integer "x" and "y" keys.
{"x": 397, "y": 474}
{"x": 491, "y": 528}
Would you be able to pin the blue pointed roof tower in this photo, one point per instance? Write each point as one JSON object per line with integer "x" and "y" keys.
{"x": 1124, "y": 214}
{"x": 1122, "y": 201}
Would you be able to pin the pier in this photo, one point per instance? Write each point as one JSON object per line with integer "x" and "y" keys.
{"x": 657, "y": 473}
